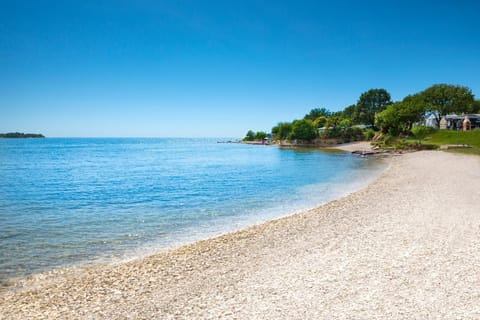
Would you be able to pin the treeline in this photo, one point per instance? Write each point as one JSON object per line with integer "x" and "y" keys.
{"x": 434, "y": 102}
{"x": 21, "y": 135}
{"x": 255, "y": 136}
{"x": 375, "y": 111}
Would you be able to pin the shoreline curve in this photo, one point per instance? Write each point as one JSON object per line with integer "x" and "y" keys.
{"x": 390, "y": 250}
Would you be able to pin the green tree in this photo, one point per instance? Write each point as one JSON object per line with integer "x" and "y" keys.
{"x": 412, "y": 110}
{"x": 389, "y": 119}
{"x": 476, "y": 106}
{"x": 443, "y": 99}
{"x": 320, "y": 122}
{"x": 274, "y": 131}
{"x": 260, "y": 135}
{"x": 250, "y": 136}
{"x": 333, "y": 126}
{"x": 334, "y": 121}
{"x": 370, "y": 103}
{"x": 303, "y": 130}
{"x": 345, "y": 123}
{"x": 282, "y": 130}
{"x": 317, "y": 112}
{"x": 401, "y": 116}
{"x": 349, "y": 111}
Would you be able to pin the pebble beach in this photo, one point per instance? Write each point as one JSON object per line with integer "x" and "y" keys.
{"x": 405, "y": 247}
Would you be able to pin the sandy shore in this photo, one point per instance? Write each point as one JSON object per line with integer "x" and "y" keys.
{"x": 354, "y": 146}
{"x": 406, "y": 247}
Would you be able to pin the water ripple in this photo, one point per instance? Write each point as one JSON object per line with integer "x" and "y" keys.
{"x": 70, "y": 201}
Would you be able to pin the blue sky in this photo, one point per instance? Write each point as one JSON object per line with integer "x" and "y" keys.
{"x": 218, "y": 68}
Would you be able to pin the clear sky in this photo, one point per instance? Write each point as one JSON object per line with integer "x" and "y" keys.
{"x": 218, "y": 68}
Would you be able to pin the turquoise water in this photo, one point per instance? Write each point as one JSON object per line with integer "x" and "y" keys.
{"x": 74, "y": 201}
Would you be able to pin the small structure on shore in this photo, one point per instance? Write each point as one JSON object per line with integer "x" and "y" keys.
{"x": 467, "y": 124}
{"x": 460, "y": 122}
{"x": 443, "y": 124}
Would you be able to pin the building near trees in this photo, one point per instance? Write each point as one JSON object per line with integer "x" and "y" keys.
{"x": 460, "y": 122}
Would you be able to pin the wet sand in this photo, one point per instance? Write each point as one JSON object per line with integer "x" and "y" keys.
{"x": 405, "y": 247}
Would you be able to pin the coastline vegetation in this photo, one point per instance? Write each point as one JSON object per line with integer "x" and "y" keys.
{"x": 428, "y": 138}
{"x": 452, "y": 137}
{"x": 255, "y": 136}
{"x": 21, "y": 135}
{"x": 388, "y": 124}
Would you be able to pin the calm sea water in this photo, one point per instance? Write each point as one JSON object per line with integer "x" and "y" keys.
{"x": 74, "y": 201}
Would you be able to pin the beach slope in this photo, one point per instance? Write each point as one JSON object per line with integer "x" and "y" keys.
{"x": 405, "y": 247}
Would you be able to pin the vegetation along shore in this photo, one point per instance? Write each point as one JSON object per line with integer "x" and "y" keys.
{"x": 419, "y": 121}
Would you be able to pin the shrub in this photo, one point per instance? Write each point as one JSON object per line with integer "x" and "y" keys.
{"x": 303, "y": 130}
{"x": 369, "y": 134}
{"x": 421, "y": 132}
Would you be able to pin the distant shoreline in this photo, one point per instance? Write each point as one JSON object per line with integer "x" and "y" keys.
{"x": 20, "y": 135}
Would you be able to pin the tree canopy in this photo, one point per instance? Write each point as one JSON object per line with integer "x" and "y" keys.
{"x": 318, "y": 112}
{"x": 282, "y": 130}
{"x": 476, "y": 106}
{"x": 250, "y": 136}
{"x": 370, "y": 103}
{"x": 349, "y": 111}
{"x": 401, "y": 116}
{"x": 303, "y": 130}
{"x": 442, "y": 99}
{"x": 260, "y": 135}
{"x": 320, "y": 122}
{"x": 375, "y": 107}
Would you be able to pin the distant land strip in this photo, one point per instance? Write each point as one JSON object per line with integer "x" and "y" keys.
{"x": 21, "y": 135}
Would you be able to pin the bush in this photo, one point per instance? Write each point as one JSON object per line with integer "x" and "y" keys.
{"x": 382, "y": 140}
{"x": 346, "y": 133}
{"x": 303, "y": 130}
{"x": 369, "y": 134}
{"x": 421, "y": 132}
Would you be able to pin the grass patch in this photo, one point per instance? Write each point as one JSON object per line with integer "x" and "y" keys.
{"x": 398, "y": 144}
{"x": 471, "y": 138}
{"x": 433, "y": 140}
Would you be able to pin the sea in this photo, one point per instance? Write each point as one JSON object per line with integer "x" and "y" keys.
{"x": 78, "y": 201}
